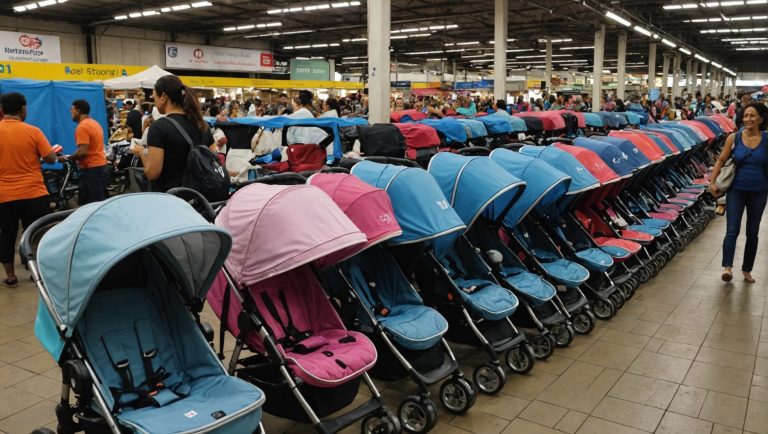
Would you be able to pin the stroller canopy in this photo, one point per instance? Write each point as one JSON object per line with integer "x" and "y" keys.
{"x": 516, "y": 124}
{"x": 474, "y": 127}
{"x": 496, "y": 124}
{"x": 634, "y": 118}
{"x": 368, "y": 207}
{"x": 644, "y": 144}
{"x": 278, "y": 228}
{"x": 473, "y": 184}
{"x": 581, "y": 179}
{"x": 662, "y": 142}
{"x": 635, "y": 157}
{"x": 592, "y": 162}
{"x": 407, "y": 116}
{"x": 421, "y": 209}
{"x": 544, "y": 184}
{"x": 75, "y": 255}
{"x": 550, "y": 121}
{"x": 594, "y": 120}
{"x": 452, "y": 130}
{"x": 617, "y": 160}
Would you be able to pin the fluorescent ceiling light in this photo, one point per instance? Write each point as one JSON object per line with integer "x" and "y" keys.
{"x": 731, "y": 3}
{"x": 556, "y": 41}
{"x": 150, "y": 13}
{"x": 180, "y": 7}
{"x": 672, "y": 7}
{"x": 201, "y": 4}
{"x": 46, "y": 3}
{"x": 246, "y": 27}
{"x": 702, "y": 58}
{"x": 19, "y": 8}
{"x": 31, "y": 6}
{"x": 668, "y": 43}
{"x": 685, "y": 50}
{"x": 585, "y": 47}
{"x": 134, "y": 14}
{"x": 340, "y": 5}
{"x": 690, "y": 6}
{"x": 715, "y": 64}
{"x": 642, "y": 30}
{"x": 121, "y": 17}
{"x": 164, "y": 10}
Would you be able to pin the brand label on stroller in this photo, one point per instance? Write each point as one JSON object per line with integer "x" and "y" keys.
{"x": 190, "y": 414}
{"x": 218, "y": 414}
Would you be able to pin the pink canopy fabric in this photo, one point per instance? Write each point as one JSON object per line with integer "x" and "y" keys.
{"x": 277, "y": 228}
{"x": 551, "y": 120}
{"x": 591, "y": 162}
{"x": 368, "y": 207}
{"x": 645, "y": 144}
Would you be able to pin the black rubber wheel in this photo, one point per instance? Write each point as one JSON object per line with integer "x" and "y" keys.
{"x": 417, "y": 414}
{"x": 643, "y": 274}
{"x": 543, "y": 346}
{"x": 375, "y": 424}
{"x": 626, "y": 290}
{"x": 617, "y": 299}
{"x": 43, "y": 431}
{"x": 457, "y": 395}
{"x": 679, "y": 244}
{"x": 655, "y": 267}
{"x": 583, "y": 322}
{"x": 563, "y": 334}
{"x": 489, "y": 379}
{"x": 521, "y": 359}
{"x": 635, "y": 284}
{"x": 603, "y": 309}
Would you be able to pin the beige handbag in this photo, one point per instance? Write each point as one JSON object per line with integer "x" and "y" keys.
{"x": 725, "y": 177}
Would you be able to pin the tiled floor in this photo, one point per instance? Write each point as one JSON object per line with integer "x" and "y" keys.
{"x": 688, "y": 354}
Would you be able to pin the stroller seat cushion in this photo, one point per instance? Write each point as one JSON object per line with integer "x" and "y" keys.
{"x": 595, "y": 259}
{"x": 566, "y": 272}
{"x": 616, "y": 252}
{"x": 668, "y": 215}
{"x": 691, "y": 195}
{"x": 671, "y": 206}
{"x": 646, "y": 229}
{"x": 628, "y": 245}
{"x": 413, "y": 326}
{"x": 656, "y": 223}
{"x": 210, "y": 399}
{"x": 636, "y": 236}
{"x": 489, "y": 300}
{"x": 531, "y": 285}
{"x": 346, "y": 355}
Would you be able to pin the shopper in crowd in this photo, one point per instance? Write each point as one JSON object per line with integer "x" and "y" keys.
{"x": 501, "y": 107}
{"x": 433, "y": 109}
{"x": 399, "y": 104}
{"x": 587, "y": 105}
{"x": 331, "y": 108}
{"x": 90, "y": 155}
{"x": 608, "y": 104}
{"x": 466, "y": 106}
{"x": 165, "y": 157}
{"x": 539, "y": 107}
{"x": 23, "y": 195}
{"x": 661, "y": 108}
{"x": 707, "y": 108}
{"x": 283, "y": 107}
{"x": 234, "y": 110}
{"x": 620, "y": 107}
{"x": 738, "y": 116}
{"x": 749, "y": 189}
{"x": 548, "y": 101}
{"x": 698, "y": 106}
{"x": 133, "y": 120}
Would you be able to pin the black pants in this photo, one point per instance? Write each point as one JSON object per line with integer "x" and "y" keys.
{"x": 93, "y": 185}
{"x": 25, "y": 211}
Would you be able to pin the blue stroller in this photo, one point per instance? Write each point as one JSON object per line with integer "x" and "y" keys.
{"x": 478, "y": 317}
{"x": 121, "y": 317}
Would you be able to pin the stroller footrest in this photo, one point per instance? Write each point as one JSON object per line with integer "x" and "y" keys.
{"x": 339, "y": 423}
{"x": 447, "y": 368}
{"x": 507, "y": 344}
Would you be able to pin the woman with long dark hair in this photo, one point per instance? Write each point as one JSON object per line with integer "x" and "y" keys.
{"x": 749, "y": 190}
{"x": 165, "y": 157}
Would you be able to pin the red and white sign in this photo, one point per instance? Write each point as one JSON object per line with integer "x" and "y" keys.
{"x": 205, "y": 57}
{"x": 29, "y": 47}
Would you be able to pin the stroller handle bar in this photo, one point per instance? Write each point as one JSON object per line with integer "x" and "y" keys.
{"x": 287, "y": 178}
{"x": 196, "y": 200}
{"x": 393, "y": 160}
{"x": 474, "y": 151}
{"x": 26, "y": 250}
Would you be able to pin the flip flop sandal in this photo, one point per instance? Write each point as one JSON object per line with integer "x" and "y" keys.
{"x": 10, "y": 283}
{"x": 726, "y": 276}
{"x": 749, "y": 279}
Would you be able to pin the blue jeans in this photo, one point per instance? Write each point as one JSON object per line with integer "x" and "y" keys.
{"x": 735, "y": 203}
{"x": 92, "y": 185}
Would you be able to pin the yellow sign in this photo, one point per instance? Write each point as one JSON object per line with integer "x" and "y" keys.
{"x": 261, "y": 83}
{"x": 65, "y": 71}
{"x": 425, "y": 85}
{"x": 533, "y": 84}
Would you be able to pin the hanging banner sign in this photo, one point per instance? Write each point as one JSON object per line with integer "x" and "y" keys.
{"x": 205, "y": 57}
{"x": 29, "y": 47}
{"x": 65, "y": 71}
{"x": 259, "y": 83}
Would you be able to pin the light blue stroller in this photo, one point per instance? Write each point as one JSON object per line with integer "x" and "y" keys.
{"x": 119, "y": 312}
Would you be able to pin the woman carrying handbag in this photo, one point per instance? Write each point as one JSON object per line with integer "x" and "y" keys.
{"x": 748, "y": 188}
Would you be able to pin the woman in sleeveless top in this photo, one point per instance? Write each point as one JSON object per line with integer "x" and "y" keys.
{"x": 749, "y": 190}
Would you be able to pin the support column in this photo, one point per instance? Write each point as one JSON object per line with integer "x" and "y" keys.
{"x": 664, "y": 74}
{"x": 500, "y": 24}
{"x": 703, "y": 87}
{"x": 651, "y": 66}
{"x": 397, "y": 70}
{"x": 548, "y": 67}
{"x": 331, "y": 69}
{"x": 453, "y": 72}
{"x": 379, "y": 13}
{"x": 597, "y": 71}
{"x": 690, "y": 76}
{"x": 622, "y": 66}
{"x": 676, "y": 76}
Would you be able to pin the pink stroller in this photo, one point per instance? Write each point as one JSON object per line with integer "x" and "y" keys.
{"x": 269, "y": 298}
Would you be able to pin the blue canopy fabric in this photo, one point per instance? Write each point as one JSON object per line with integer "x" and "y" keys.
{"x": 545, "y": 185}
{"x": 636, "y": 157}
{"x": 581, "y": 179}
{"x": 475, "y": 185}
{"x": 48, "y": 104}
{"x": 609, "y": 119}
{"x": 476, "y": 128}
{"x": 496, "y": 124}
{"x": 452, "y": 130}
{"x": 634, "y": 118}
{"x": 594, "y": 120}
{"x": 684, "y": 129}
{"x": 617, "y": 160}
{"x": 421, "y": 209}
{"x": 662, "y": 145}
{"x": 516, "y": 125}
{"x": 76, "y": 254}
{"x": 675, "y": 137}
{"x": 711, "y": 124}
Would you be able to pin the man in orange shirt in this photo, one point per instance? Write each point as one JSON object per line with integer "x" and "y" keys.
{"x": 23, "y": 195}
{"x": 90, "y": 155}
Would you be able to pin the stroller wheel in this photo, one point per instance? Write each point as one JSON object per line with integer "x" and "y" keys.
{"x": 635, "y": 284}
{"x": 490, "y": 379}
{"x": 604, "y": 309}
{"x": 679, "y": 244}
{"x": 617, "y": 299}
{"x": 583, "y": 322}
{"x": 626, "y": 290}
{"x": 43, "y": 431}
{"x": 521, "y": 359}
{"x": 376, "y": 424}
{"x": 543, "y": 346}
{"x": 563, "y": 335}
{"x": 643, "y": 274}
{"x": 417, "y": 414}
{"x": 457, "y": 395}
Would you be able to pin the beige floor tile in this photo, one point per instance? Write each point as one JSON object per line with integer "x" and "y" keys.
{"x": 17, "y": 350}
{"x": 646, "y": 328}
{"x": 610, "y": 355}
{"x": 725, "y": 343}
{"x": 448, "y": 429}
{"x": 554, "y": 365}
{"x": 759, "y": 389}
{"x": 644, "y": 390}
{"x": 594, "y": 425}
{"x": 624, "y": 338}
{"x": 660, "y": 366}
{"x": 30, "y": 418}
{"x": 654, "y": 315}
{"x": 480, "y": 423}
{"x": 742, "y": 362}
{"x": 581, "y": 387}
{"x": 719, "y": 379}
{"x": 13, "y": 401}
{"x": 676, "y": 349}
{"x": 674, "y": 423}
{"x": 571, "y": 422}
{"x": 543, "y": 414}
{"x": 682, "y": 335}
{"x": 761, "y": 366}
{"x": 518, "y": 426}
{"x": 528, "y": 386}
{"x": 10, "y": 375}
{"x": 577, "y": 348}
{"x": 654, "y": 345}
{"x": 38, "y": 363}
{"x": 724, "y": 409}
{"x": 502, "y": 405}
{"x": 722, "y": 429}
{"x": 757, "y": 418}
{"x": 688, "y": 400}
{"x": 628, "y": 413}
{"x": 40, "y": 386}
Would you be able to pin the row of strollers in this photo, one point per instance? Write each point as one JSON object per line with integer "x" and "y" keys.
{"x": 331, "y": 280}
